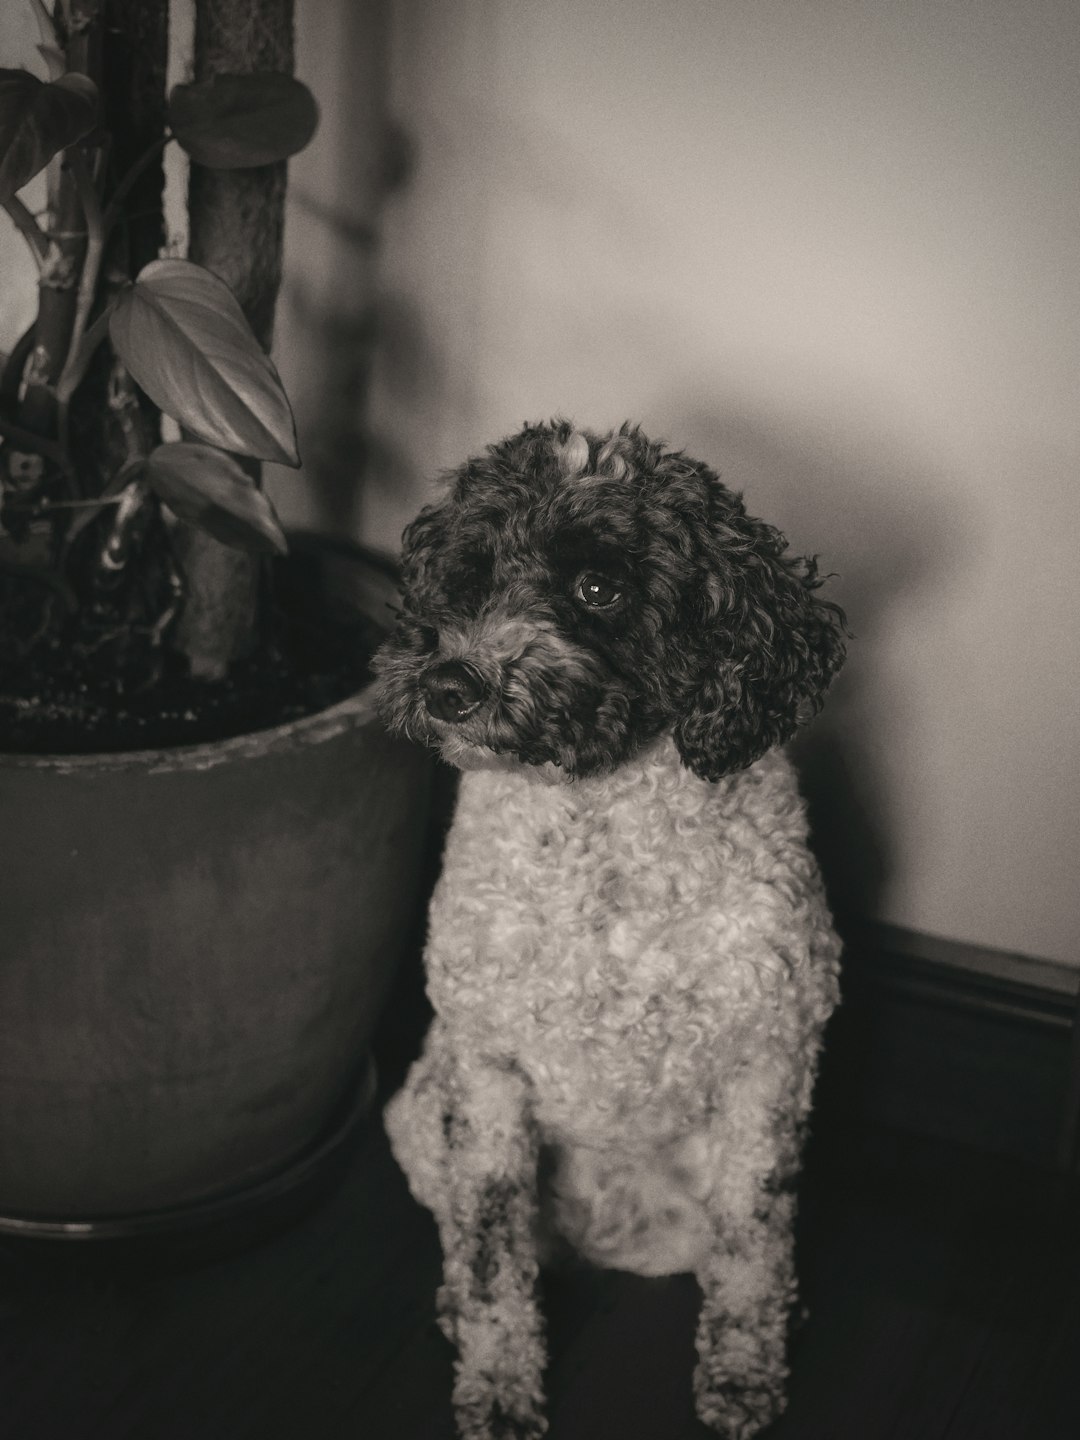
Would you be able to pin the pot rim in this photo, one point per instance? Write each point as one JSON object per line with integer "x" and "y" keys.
{"x": 354, "y": 712}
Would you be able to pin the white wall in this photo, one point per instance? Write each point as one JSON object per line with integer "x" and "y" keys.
{"x": 834, "y": 249}
{"x": 831, "y": 246}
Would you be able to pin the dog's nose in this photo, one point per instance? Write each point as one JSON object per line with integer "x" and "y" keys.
{"x": 453, "y": 690}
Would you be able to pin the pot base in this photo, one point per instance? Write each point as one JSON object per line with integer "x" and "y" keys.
{"x": 223, "y": 1221}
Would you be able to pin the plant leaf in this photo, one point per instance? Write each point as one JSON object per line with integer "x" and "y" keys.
{"x": 208, "y": 488}
{"x": 181, "y": 333}
{"x": 55, "y": 60}
{"x": 39, "y": 119}
{"x": 235, "y": 122}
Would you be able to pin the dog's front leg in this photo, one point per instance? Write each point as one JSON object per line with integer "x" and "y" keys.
{"x": 747, "y": 1278}
{"x": 748, "y": 1289}
{"x": 488, "y": 1302}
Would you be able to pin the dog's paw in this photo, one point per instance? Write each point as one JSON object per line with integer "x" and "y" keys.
{"x": 503, "y": 1402}
{"x": 517, "y": 1419}
{"x": 738, "y": 1412}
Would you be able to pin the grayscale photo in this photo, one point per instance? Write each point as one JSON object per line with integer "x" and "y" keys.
{"x": 539, "y": 654}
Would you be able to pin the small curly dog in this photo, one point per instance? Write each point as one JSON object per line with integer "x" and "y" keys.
{"x": 630, "y": 956}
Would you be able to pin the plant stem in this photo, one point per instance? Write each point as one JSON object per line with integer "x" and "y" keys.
{"x": 113, "y": 208}
{"x": 95, "y": 503}
{"x": 236, "y": 226}
{"x": 12, "y": 371}
{"x": 95, "y": 244}
{"x": 79, "y": 361}
{"x": 76, "y": 361}
{"x": 30, "y": 229}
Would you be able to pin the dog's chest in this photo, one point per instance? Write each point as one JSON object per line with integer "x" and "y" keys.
{"x": 601, "y": 917}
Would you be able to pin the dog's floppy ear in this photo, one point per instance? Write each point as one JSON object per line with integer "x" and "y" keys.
{"x": 420, "y": 541}
{"x": 768, "y": 645}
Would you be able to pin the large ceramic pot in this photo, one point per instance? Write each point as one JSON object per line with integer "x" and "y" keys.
{"x": 194, "y": 946}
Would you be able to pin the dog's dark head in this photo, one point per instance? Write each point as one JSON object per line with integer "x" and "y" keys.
{"x": 575, "y": 595}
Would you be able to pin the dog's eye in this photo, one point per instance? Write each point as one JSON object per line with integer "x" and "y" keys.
{"x": 598, "y": 592}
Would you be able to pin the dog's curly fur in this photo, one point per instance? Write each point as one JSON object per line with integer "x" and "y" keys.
{"x": 630, "y": 956}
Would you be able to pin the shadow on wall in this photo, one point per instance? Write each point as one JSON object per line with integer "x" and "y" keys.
{"x": 417, "y": 381}
{"x": 326, "y": 323}
{"x": 884, "y": 525}
{"x": 329, "y": 302}
{"x": 331, "y": 403}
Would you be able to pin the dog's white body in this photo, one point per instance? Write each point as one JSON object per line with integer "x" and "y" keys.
{"x": 630, "y": 973}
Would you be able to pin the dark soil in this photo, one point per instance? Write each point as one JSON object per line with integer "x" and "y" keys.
{"x": 60, "y": 701}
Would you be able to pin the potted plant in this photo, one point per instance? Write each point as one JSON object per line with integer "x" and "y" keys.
{"x": 209, "y": 852}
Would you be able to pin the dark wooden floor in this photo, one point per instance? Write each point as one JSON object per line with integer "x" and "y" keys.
{"x": 943, "y": 1285}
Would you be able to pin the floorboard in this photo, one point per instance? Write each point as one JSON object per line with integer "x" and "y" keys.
{"x": 943, "y": 1287}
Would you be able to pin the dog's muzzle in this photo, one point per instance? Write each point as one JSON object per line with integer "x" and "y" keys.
{"x": 453, "y": 690}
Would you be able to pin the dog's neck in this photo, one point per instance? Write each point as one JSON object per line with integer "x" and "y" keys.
{"x": 659, "y": 753}
{"x": 656, "y": 770}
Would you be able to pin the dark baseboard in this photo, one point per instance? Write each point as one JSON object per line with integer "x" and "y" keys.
{"x": 956, "y": 1042}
